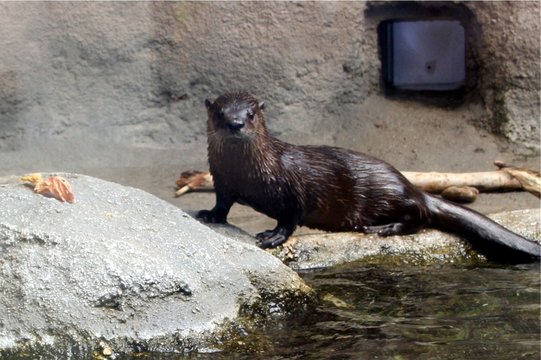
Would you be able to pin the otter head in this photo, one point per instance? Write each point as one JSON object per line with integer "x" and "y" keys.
{"x": 237, "y": 115}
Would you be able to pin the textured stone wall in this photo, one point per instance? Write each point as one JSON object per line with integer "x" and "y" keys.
{"x": 503, "y": 59}
{"x": 137, "y": 73}
{"x": 510, "y": 71}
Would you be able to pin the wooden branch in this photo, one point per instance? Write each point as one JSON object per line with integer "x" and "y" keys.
{"x": 194, "y": 181}
{"x": 487, "y": 181}
{"x": 529, "y": 179}
{"x": 462, "y": 187}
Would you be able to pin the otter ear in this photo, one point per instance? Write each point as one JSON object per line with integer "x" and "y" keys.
{"x": 208, "y": 103}
{"x": 261, "y": 105}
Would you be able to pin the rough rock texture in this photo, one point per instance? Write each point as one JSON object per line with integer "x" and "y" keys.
{"x": 502, "y": 59}
{"x": 320, "y": 250}
{"x": 509, "y": 58}
{"x": 124, "y": 271}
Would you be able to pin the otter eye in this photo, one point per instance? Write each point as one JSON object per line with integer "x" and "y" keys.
{"x": 220, "y": 113}
{"x": 250, "y": 114}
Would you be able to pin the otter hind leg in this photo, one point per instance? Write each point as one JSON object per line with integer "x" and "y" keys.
{"x": 408, "y": 218}
{"x": 385, "y": 230}
{"x": 395, "y": 228}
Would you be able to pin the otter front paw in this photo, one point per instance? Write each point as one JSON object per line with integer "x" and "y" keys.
{"x": 210, "y": 216}
{"x": 270, "y": 239}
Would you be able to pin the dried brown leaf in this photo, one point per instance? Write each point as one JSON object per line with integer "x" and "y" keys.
{"x": 32, "y": 178}
{"x": 57, "y": 187}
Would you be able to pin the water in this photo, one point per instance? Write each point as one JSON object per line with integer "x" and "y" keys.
{"x": 436, "y": 312}
{"x": 428, "y": 313}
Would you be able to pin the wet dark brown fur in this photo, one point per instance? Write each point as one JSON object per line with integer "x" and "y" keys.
{"x": 329, "y": 188}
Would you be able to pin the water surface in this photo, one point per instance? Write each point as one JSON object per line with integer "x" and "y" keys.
{"x": 433, "y": 312}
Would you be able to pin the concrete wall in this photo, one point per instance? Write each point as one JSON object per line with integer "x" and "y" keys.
{"x": 136, "y": 74}
{"x": 509, "y": 56}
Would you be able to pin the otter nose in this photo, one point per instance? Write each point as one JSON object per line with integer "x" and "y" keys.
{"x": 235, "y": 125}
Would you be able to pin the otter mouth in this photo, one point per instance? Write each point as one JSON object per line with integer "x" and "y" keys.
{"x": 239, "y": 133}
{"x": 235, "y": 132}
{"x": 235, "y": 126}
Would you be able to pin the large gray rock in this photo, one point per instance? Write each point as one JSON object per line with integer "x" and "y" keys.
{"x": 121, "y": 270}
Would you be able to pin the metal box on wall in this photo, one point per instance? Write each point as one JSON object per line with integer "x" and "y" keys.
{"x": 424, "y": 55}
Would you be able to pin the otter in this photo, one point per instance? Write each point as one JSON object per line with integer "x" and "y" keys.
{"x": 330, "y": 188}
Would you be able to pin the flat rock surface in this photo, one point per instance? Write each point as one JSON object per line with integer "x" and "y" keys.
{"x": 122, "y": 270}
{"x": 312, "y": 250}
{"x": 426, "y": 247}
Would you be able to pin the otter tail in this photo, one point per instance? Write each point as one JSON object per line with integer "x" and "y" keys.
{"x": 485, "y": 235}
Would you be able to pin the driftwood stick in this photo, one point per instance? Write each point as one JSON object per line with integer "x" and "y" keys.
{"x": 194, "y": 181}
{"x": 507, "y": 178}
{"x": 529, "y": 179}
{"x": 434, "y": 182}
